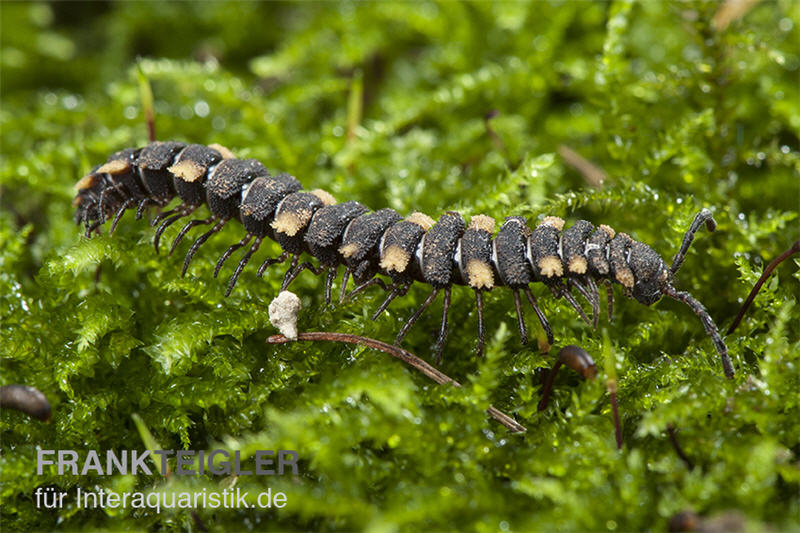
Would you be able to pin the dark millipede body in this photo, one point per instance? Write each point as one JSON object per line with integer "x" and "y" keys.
{"x": 439, "y": 253}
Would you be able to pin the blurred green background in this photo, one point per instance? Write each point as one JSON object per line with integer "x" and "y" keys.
{"x": 680, "y": 105}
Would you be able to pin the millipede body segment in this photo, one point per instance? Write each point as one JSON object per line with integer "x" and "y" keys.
{"x": 408, "y": 249}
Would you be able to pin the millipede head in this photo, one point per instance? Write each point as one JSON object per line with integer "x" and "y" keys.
{"x": 650, "y": 272}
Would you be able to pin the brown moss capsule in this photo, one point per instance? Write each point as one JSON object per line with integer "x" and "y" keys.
{"x": 26, "y": 400}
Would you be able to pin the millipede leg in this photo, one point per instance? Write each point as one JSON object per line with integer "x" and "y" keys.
{"x": 345, "y": 279}
{"x": 121, "y": 211}
{"x": 542, "y": 319}
{"x": 443, "y": 328}
{"x": 199, "y": 242}
{"x": 398, "y": 291}
{"x": 96, "y": 224}
{"x": 704, "y": 216}
{"x": 306, "y": 265}
{"x": 581, "y": 289}
{"x": 269, "y": 262}
{"x": 708, "y": 324}
{"x": 115, "y": 188}
{"x": 481, "y": 328}
{"x": 560, "y": 291}
{"x": 86, "y": 219}
{"x": 523, "y": 331}
{"x": 224, "y": 257}
{"x": 329, "y": 284}
{"x": 374, "y": 281}
{"x": 189, "y": 225}
{"x": 164, "y": 225}
{"x": 101, "y": 203}
{"x": 595, "y": 296}
{"x": 241, "y": 265}
{"x": 415, "y": 316}
{"x": 164, "y": 214}
{"x": 140, "y": 208}
{"x": 290, "y": 273}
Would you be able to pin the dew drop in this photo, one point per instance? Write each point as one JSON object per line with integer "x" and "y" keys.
{"x": 201, "y": 108}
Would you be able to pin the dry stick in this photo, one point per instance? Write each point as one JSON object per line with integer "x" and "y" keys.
{"x": 793, "y": 249}
{"x": 729, "y": 11}
{"x": 355, "y": 103}
{"x": 673, "y": 438}
{"x": 146, "y": 94}
{"x": 405, "y": 356}
{"x": 594, "y": 175}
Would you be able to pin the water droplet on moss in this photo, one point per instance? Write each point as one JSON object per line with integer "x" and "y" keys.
{"x": 201, "y": 108}
{"x": 70, "y": 102}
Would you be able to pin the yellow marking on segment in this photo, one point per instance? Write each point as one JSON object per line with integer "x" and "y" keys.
{"x": 479, "y": 274}
{"x": 556, "y": 222}
{"x": 482, "y": 223}
{"x": 420, "y": 219}
{"x": 394, "y": 258}
{"x": 291, "y": 223}
{"x": 86, "y": 182}
{"x": 625, "y": 277}
{"x": 578, "y": 265}
{"x": 326, "y": 197}
{"x": 188, "y": 171}
{"x": 224, "y": 152}
{"x": 550, "y": 266}
{"x": 348, "y": 249}
{"x": 608, "y": 229}
{"x": 118, "y": 166}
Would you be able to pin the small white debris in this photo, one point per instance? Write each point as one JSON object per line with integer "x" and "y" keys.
{"x": 283, "y": 313}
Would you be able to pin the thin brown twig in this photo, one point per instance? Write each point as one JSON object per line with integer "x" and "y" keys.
{"x": 729, "y": 11}
{"x": 594, "y": 175}
{"x": 793, "y": 249}
{"x": 673, "y": 438}
{"x": 148, "y": 105}
{"x": 405, "y": 356}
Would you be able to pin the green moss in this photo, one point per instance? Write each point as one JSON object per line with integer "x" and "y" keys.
{"x": 386, "y": 104}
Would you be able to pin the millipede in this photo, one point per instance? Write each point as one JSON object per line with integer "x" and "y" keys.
{"x": 369, "y": 244}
